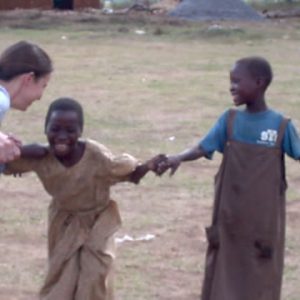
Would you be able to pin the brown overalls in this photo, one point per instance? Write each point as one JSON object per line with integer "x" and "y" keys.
{"x": 244, "y": 259}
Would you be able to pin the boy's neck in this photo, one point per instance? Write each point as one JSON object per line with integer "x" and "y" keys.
{"x": 256, "y": 106}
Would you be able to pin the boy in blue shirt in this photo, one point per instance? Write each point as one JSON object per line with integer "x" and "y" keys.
{"x": 245, "y": 252}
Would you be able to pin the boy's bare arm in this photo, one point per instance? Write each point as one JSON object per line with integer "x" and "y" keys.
{"x": 35, "y": 151}
{"x": 173, "y": 161}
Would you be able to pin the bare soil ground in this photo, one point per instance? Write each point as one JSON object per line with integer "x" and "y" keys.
{"x": 143, "y": 93}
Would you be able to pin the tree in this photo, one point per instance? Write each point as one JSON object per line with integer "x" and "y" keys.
{"x": 214, "y": 10}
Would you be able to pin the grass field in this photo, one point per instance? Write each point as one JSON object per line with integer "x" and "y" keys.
{"x": 147, "y": 87}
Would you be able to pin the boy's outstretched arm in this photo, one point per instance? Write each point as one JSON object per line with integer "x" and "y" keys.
{"x": 30, "y": 154}
{"x": 35, "y": 151}
{"x": 142, "y": 169}
{"x": 173, "y": 161}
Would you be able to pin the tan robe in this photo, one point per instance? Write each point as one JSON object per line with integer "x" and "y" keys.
{"x": 82, "y": 221}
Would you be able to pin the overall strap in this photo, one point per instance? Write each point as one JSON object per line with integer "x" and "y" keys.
{"x": 230, "y": 119}
{"x": 281, "y": 131}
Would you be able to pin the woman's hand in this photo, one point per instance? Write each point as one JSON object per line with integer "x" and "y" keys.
{"x": 9, "y": 148}
{"x": 16, "y": 140}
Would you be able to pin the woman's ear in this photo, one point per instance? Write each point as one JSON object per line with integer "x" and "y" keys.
{"x": 27, "y": 78}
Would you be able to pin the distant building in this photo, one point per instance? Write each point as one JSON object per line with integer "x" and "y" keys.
{"x": 75, "y": 4}
{"x": 48, "y": 4}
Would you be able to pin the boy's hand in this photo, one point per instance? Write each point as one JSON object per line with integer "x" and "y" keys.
{"x": 172, "y": 163}
{"x": 142, "y": 169}
{"x": 154, "y": 162}
{"x": 160, "y": 163}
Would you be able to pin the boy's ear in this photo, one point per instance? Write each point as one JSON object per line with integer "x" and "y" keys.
{"x": 261, "y": 82}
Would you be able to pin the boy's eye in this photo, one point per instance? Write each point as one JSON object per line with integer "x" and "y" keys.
{"x": 235, "y": 80}
{"x": 68, "y": 130}
{"x": 71, "y": 130}
{"x": 54, "y": 129}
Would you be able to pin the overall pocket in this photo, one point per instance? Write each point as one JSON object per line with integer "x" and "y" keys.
{"x": 212, "y": 236}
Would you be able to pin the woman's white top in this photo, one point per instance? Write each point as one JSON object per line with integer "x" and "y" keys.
{"x": 4, "y": 107}
{"x": 4, "y": 102}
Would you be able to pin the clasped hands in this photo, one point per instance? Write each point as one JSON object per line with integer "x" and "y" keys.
{"x": 161, "y": 163}
{"x": 9, "y": 147}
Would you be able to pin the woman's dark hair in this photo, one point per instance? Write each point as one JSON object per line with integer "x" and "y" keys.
{"x": 258, "y": 67}
{"x": 65, "y": 104}
{"x": 24, "y": 57}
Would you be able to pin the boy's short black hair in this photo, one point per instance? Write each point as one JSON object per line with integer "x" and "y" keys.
{"x": 258, "y": 67}
{"x": 65, "y": 104}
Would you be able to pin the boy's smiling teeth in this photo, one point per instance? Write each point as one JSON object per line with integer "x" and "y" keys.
{"x": 61, "y": 147}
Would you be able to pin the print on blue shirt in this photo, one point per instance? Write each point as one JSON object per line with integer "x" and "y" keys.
{"x": 252, "y": 128}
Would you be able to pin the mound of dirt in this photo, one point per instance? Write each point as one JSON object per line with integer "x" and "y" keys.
{"x": 199, "y": 10}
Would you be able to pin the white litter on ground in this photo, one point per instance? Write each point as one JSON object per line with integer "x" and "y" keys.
{"x": 128, "y": 238}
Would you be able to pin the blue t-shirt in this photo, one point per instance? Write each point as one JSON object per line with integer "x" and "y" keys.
{"x": 253, "y": 128}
